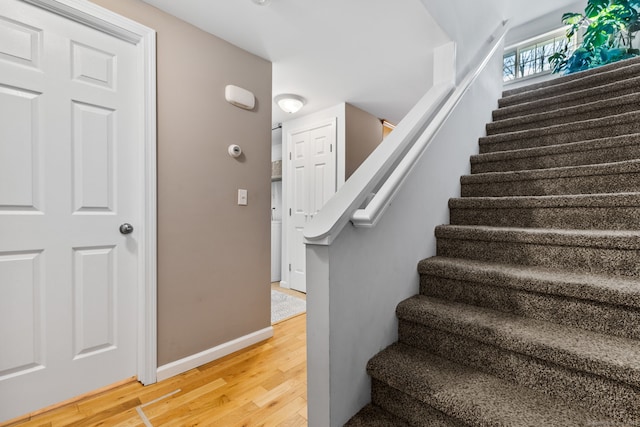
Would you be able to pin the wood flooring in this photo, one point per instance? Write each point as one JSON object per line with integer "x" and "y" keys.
{"x": 263, "y": 385}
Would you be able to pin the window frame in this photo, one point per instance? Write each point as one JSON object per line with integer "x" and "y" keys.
{"x": 532, "y": 44}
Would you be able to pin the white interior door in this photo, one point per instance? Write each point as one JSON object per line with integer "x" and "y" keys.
{"x": 313, "y": 181}
{"x": 70, "y": 128}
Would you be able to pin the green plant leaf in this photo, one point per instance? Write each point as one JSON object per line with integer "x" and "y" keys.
{"x": 572, "y": 18}
{"x": 594, "y": 7}
{"x": 609, "y": 28}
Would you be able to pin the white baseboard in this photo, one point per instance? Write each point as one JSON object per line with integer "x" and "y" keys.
{"x": 179, "y": 366}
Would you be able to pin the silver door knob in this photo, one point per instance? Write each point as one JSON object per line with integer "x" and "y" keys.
{"x": 126, "y": 228}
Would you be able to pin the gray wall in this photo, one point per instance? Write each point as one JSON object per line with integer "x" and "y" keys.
{"x": 363, "y": 135}
{"x": 543, "y": 24}
{"x": 469, "y": 24}
{"x": 213, "y": 256}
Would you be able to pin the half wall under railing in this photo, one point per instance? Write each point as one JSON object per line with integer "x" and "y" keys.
{"x": 357, "y": 274}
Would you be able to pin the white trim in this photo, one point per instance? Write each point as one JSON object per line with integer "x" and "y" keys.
{"x": 96, "y": 17}
{"x": 558, "y": 32}
{"x": 183, "y": 365}
{"x": 144, "y": 38}
{"x": 147, "y": 306}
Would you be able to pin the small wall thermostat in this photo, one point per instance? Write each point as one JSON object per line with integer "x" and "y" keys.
{"x": 234, "y": 150}
{"x": 239, "y": 97}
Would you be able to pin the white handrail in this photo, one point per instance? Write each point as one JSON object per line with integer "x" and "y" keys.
{"x": 410, "y": 139}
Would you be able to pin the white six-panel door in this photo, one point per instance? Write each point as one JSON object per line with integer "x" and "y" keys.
{"x": 69, "y": 132}
{"x": 312, "y": 182}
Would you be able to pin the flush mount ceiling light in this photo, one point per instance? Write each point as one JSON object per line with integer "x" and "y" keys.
{"x": 289, "y": 102}
{"x": 261, "y": 2}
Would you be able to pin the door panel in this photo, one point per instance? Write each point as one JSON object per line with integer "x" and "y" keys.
{"x": 19, "y": 42}
{"x": 22, "y": 352}
{"x": 94, "y": 300}
{"x": 19, "y": 151}
{"x": 69, "y": 150}
{"x": 299, "y": 162}
{"x": 323, "y": 161}
{"x": 93, "y": 158}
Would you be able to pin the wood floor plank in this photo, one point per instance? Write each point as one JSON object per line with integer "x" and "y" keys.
{"x": 262, "y": 385}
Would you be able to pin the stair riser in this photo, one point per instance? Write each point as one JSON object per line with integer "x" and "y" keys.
{"x": 592, "y": 392}
{"x": 588, "y": 83}
{"x": 407, "y": 408}
{"x": 497, "y": 128}
{"x": 577, "y": 258}
{"x": 517, "y": 141}
{"x": 576, "y": 158}
{"x": 602, "y": 218}
{"x": 545, "y": 105}
{"x": 591, "y": 184}
{"x": 594, "y": 316}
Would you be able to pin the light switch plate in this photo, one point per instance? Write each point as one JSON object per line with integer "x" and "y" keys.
{"x": 242, "y": 197}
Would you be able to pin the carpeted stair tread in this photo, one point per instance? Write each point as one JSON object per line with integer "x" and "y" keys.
{"x": 603, "y": 150}
{"x": 574, "y": 82}
{"x": 590, "y": 110}
{"x": 618, "y": 239}
{"x": 620, "y": 124}
{"x": 538, "y": 293}
{"x": 593, "y": 393}
{"x": 599, "y": 178}
{"x": 372, "y": 416}
{"x": 619, "y": 211}
{"x": 611, "y": 357}
{"x": 469, "y": 395}
{"x": 614, "y": 252}
{"x": 569, "y": 200}
{"x": 594, "y": 72}
{"x": 536, "y": 105}
{"x": 595, "y": 287}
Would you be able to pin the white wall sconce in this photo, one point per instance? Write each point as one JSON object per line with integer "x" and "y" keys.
{"x": 262, "y": 2}
{"x": 289, "y": 102}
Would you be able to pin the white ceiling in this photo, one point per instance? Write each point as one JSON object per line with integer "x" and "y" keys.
{"x": 374, "y": 54}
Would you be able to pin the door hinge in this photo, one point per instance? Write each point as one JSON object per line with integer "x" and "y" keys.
{"x": 331, "y": 148}
{"x": 289, "y": 156}
{"x": 289, "y": 211}
{"x": 289, "y": 267}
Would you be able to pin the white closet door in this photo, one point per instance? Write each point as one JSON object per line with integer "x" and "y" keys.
{"x": 312, "y": 182}
{"x": 69, "y": 132}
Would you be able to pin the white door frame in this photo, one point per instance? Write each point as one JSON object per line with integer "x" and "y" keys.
{"x": 144, "y": 39}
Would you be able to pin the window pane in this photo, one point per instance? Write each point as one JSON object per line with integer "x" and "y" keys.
{"x": 527, "y": 62}
{"x": 509, "y": 67}
{"x": 544, "y": 52}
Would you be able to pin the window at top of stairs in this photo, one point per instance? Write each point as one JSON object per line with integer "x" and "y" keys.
{"x": 530, "y": 58}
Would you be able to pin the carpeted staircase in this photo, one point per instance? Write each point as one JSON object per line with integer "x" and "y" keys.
{"x": 529, "y": 315}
